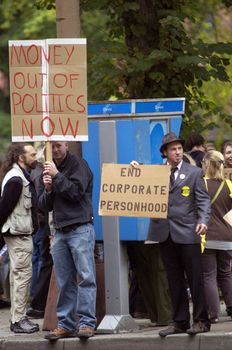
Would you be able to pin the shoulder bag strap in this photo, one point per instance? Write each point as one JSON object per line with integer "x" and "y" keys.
{"x": 229, "y": 184}
{"x": 218, "y": 190}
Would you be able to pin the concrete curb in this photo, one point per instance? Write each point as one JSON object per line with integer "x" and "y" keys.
{"x": 143, "y": 341}
{"x": 146, "y": 338}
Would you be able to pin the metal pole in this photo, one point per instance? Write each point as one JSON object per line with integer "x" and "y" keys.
{"x": 117, "y": 316}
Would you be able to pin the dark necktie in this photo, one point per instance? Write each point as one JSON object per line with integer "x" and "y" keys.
{"x": 172, "y": 176}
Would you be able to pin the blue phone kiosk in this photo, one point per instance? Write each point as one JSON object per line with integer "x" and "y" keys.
{"x": 122, "y": 131}
{"x": 119, "y": 132}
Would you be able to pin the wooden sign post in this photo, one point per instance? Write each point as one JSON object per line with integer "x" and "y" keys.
{"x": 48, "y": 151}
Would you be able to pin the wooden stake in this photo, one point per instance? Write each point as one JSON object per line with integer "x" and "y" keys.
{"x": 48, "y": 153}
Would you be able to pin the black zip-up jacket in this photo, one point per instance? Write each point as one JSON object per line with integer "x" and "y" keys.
{"x": 71, "y": 195}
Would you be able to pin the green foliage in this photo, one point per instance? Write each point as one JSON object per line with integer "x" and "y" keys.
{"x": 45, "y": 4}
{"x": 5, "y": 132}
{"x": 143, "y": 49}
{"x": 21, "y": 20}
{"x": 227, "y": 3}
{"x": 148, "y": 50}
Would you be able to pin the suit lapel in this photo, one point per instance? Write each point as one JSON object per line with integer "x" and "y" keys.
{"x": 181, "y": 175}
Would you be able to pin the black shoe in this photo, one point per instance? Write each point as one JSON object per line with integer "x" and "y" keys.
{"x": 229, "y": 311}
{"x": 214, "y": 320}
{"x": 140, "y": 315}
{"x": 4, "y": 304}
{"x": 35, "y": 313}
{"x": 173, "y": 329}
{"x": 198, "y": 327}
{"x": 24, "y": 326}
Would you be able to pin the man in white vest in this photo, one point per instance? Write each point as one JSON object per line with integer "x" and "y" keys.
{"x": 18, "y": 222}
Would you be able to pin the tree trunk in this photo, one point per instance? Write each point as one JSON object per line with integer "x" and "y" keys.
{"x": 68, "y": 26}
{"x": 68, "y": 18}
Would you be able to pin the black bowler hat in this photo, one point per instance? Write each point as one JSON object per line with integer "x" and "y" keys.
{"x": 169, "y": 138}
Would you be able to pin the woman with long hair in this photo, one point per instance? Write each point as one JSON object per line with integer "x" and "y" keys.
{"x": 217, "y": 256}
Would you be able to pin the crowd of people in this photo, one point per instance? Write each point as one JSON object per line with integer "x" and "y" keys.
{"x": 165, "y": 275}
{"x": 65, "y": 188}
{"x": 196, "y": 205}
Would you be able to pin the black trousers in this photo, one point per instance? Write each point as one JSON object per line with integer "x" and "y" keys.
{"x": 184, "y": 261}
{"x": 152, "y": 280}
{"x": 41, "y": 291}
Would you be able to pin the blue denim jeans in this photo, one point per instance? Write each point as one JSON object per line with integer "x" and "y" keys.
{"x": 73, "y": 256}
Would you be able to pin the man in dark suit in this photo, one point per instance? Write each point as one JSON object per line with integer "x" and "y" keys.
{"x": 179, "y": 238}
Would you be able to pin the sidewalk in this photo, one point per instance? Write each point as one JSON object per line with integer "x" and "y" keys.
{"x": 146, "y": 338}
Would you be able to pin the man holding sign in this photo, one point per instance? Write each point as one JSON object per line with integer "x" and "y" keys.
{"x": 68, "y": 184}
{"x": 179, "y": 238}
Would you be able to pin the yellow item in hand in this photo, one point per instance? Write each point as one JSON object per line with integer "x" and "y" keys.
{"x": 203, "y": 242}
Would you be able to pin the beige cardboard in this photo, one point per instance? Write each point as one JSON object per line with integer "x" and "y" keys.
{"x": 228, "y": 173}
{"x": 26, "y": 55}
{"x": 34, "y": 126}
{"x": 137, "y": 192}
{"x": 73, "y": 80}
{"x": 33, "y": 54}
{"x": 48, "y": 86}
{"x": 26, "y": 88}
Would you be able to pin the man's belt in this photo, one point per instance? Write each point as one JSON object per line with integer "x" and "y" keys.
{"x": 72, "y": 227}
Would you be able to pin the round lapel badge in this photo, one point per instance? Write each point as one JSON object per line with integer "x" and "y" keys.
{"x": 182, "y": 176}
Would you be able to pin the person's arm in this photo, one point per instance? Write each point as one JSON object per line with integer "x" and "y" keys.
{"x": 203, "y": 204}
{"x": 10, "y": 197}
{"x": 45, "y": 196}
{"x": 71, "y": 188}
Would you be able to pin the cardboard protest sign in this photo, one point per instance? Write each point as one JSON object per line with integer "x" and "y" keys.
{"x": 48, "y": 83}
{"x": 228, "y": 173}
{"x": 140, "y": 192}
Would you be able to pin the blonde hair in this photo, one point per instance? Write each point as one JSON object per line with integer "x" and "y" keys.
{"x": 214, "y": 165}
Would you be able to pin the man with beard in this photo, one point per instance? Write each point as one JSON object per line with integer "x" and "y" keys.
{"x": 18, "y": 221}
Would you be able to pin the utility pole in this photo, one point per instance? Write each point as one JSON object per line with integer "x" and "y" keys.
{"x": 68, "y": 26}
{"x": 68, "y": 18}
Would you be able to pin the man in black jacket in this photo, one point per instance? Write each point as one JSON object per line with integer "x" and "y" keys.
{"x": 68, "y": 184}
{"x": 195, "y": 146}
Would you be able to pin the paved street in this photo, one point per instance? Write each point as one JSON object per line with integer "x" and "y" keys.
{"x": 146, "y": 338}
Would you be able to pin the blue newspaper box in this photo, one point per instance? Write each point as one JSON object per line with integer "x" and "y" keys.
{"x": 122, "y": 131}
